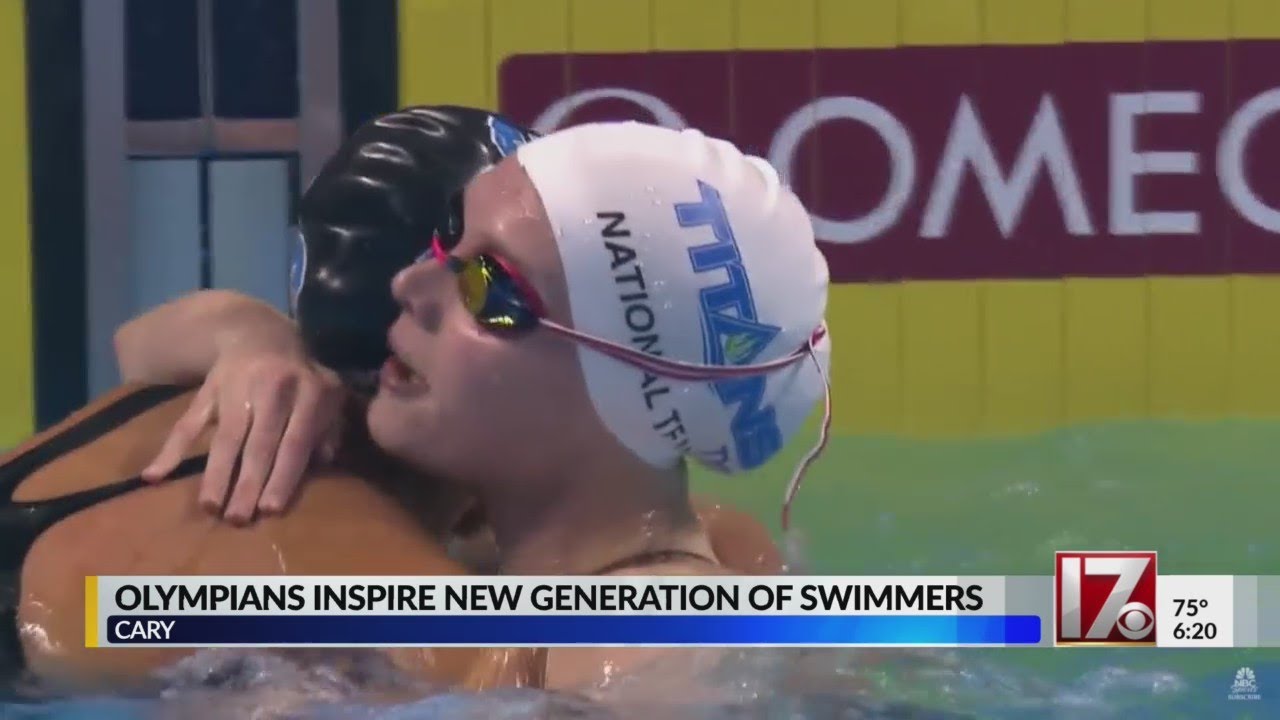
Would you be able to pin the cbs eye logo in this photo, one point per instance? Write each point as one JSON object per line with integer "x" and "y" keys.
{"x": 1136, "y": 621}
{"x": 1105, "y": 598}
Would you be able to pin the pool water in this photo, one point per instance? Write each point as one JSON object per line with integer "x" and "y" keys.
{"x": 1203, "y": 495}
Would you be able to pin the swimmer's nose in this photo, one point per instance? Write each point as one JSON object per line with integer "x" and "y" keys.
{"x": 418, "y": 287}
{"x": 405, "y": 282}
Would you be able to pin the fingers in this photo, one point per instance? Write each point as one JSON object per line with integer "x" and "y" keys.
{"x": 233, "y": 426}
{"x": 198, "y": 415}
{"x": 267, "y": 422}
{"x": 273, "y": 415}
{"x": 299, "y": 442}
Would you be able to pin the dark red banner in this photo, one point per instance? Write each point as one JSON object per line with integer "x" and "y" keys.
{"x": 976, "y": 162}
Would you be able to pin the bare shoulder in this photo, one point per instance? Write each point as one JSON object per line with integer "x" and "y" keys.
{"x": 585, "y": 668}
{"x": 343, "y": 523}
{"x": 741, "y": 542}
{"x": 340, "y": 526}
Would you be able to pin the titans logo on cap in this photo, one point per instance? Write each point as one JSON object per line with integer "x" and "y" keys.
{"x": 732, "y": 331}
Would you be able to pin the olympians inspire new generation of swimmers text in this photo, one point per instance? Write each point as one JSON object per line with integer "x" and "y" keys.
{"x": 544, "y": 597}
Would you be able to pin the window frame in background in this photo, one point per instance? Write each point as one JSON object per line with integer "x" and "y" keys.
{"x": 113, "y": 140}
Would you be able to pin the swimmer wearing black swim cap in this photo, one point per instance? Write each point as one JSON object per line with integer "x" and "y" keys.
{"x": 372, "y": 211}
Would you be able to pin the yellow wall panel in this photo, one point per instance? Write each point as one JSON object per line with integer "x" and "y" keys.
{"x": 864, "y": 24}
{"x": 1023, "y": 355}
{"x": 941, "y": 22}
{"x": 1107, "y": 20}
{"x": 1105, "y": 348}
{"x": 1190, "y": 346}
{"x": 941, "y": 358}
{"x": 520, "y": 26}
{"x": 445, "y": 67}
{"x": 1252, "y": 19}
{"x": 866, "y": 337}
{"x": 609, "y": 25}
{"x": 17, "y": 376}
{"x": 920, "y": 358}
{"x": 1019, "y": 22}
{"x": 685, "y": 25}
{"x": 1255, "y": 345}
{"x": 1188, "y": 19}
{"x": 776, "y": 24}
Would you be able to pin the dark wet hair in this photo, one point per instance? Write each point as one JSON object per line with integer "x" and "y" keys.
{"x": 372, "y": 211}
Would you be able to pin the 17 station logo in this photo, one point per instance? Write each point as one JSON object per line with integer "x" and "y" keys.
{"x": 1105, "y": 598}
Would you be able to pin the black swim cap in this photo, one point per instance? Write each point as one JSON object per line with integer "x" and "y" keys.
{"x": 372, "y": 211}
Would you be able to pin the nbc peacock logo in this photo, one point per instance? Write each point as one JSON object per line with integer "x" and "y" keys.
{"x": 1245, "y": 686}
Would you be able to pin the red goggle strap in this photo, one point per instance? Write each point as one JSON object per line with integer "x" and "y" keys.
{"x": 678, "y": 370}
{"x": 687, "y": 371}
{"x": 797, "y": 477}
{"x": 698, "y": 372}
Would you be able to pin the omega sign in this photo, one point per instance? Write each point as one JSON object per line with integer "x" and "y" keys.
{"x": 1116, "y": 159}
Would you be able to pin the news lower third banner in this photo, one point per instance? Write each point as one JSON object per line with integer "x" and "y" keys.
{"x": 786, "y": 611}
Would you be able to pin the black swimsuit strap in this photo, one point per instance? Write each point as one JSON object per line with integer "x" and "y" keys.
{"x": 97, "y": 424}
{"x": 21, "y": 523}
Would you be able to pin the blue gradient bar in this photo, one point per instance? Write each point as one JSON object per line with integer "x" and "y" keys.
{"x": 552, "y": 630}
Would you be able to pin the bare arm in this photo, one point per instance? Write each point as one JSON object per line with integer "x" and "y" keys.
{"x": 273, "y": 409}
{"x": 179, "y": 342}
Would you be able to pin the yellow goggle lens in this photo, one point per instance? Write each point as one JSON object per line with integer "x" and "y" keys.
{"x": 473, "y": 281}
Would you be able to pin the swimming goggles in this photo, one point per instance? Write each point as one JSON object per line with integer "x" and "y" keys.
{"x": 502, "y": 300}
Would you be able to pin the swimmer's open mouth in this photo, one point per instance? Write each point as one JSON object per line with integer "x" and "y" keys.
{"x": 397, "y": 377}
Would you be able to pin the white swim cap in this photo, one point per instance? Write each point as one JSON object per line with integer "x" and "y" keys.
{"x": 681, "y": 246}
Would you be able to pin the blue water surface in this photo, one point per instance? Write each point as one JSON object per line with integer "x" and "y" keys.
{"x": 817, "y": 684}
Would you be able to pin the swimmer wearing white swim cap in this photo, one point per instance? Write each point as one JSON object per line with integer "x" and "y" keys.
{"x": 699, "y": 254}
{"x": 617, "y": 297}
{"x": 593, "y": 310}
